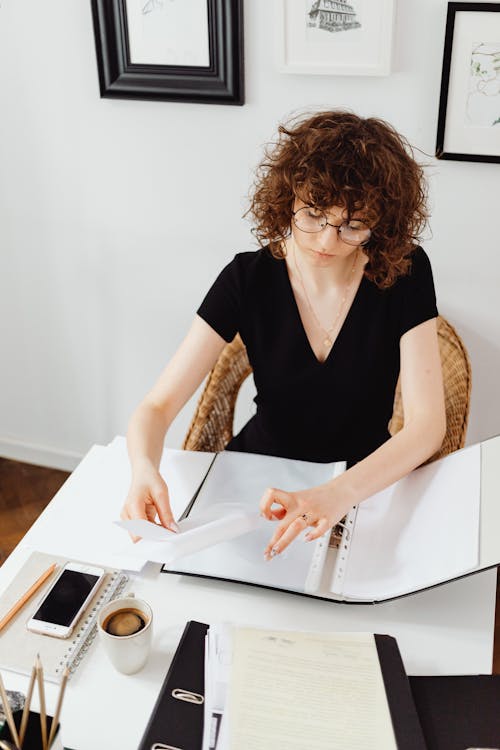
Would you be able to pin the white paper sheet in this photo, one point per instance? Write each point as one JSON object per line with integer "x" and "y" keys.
{"x": 489, "y": 545}
{"x": 91, "y": 500}
{"x": 218, "y": 655}
{"x": 420, "y": 531}
{"x": 160, "y": 545}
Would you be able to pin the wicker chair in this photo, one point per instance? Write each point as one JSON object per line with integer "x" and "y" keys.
{"x": 212, "y": 425}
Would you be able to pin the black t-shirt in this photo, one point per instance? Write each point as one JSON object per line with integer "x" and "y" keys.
{"x": 334, "y": 410}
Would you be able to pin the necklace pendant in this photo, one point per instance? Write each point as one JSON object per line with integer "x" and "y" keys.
{"x": 327, "y": 342}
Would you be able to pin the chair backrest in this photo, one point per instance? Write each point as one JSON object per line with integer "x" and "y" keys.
{"x": 211, "y": 428}
{"x": 212, "y": 424}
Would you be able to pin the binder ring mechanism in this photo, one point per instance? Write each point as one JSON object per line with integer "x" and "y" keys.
{"x": 340, "y": 533}
{"x": 187, "y": 695}
{"x": 346, "y": 530}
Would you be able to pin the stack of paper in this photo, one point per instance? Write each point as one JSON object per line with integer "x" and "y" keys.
{"x": 267, "y": 689}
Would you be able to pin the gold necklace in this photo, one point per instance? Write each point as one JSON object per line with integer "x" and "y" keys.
{"x": 328, "y": 340}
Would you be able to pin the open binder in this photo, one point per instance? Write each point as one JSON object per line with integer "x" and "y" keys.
{"x": 439, "y": 523}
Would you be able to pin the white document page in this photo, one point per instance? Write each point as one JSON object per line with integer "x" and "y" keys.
{"x": 420, "y": 531}
{"x": 489, "y": 546}
{"x": 218, "y": 655}
{"x": 91, "y": 499}
{"x": 307, "y": 690}
{"x": 194, "y": 535}
{"x": 239, "y": 480}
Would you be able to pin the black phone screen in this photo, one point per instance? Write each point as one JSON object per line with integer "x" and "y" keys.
{"x": 66, "y": 598}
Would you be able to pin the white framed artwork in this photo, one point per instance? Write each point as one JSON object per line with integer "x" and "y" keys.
{"x": 335, "y": 37}
{"x": 170, "y": 50}
{"x": 168, "y": 32}
{"x": 469, "y": 106}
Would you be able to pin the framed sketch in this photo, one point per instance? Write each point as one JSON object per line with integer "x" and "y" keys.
{"x": 170, "y": 50}
{"x": 335, "y": 37}
{"x": 469, "y": 105}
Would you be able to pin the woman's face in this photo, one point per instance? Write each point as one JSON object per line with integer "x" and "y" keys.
{"x": 324, "y": 247}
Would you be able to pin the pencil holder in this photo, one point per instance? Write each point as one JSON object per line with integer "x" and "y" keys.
{"x": 33, "y": 737}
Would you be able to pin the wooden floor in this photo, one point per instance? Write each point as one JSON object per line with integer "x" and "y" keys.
{"x": 25, "y": 490}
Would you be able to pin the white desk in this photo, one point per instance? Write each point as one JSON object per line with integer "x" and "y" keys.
{"x": 447, "y": 630}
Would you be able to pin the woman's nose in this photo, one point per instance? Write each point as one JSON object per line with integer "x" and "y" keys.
{"x": 329, "y": 236}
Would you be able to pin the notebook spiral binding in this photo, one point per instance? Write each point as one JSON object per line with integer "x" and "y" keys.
{"x": 88, "y": 629}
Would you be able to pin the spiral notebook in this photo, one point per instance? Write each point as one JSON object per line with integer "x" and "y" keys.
{"x": 19, "y": 646}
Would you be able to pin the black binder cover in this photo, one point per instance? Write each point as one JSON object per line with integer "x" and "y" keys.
{"x": 405, "y": 720}
{"x": 176, "y": 722}
{"x": 458, "y": 712}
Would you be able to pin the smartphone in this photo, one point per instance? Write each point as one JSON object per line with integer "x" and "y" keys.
{"x": 68, "y": 596}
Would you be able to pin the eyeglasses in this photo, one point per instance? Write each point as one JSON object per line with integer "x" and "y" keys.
{"x": 352, "y": 231}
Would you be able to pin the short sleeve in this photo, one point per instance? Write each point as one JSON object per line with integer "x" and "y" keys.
{"x": 418, "y": 297}
{"x": 222, "y": 305}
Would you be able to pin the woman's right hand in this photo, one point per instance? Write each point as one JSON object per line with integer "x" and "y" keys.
{"x": 148, "y": 498}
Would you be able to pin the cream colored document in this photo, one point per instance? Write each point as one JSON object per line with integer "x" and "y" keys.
{"x": 296, "y": 690}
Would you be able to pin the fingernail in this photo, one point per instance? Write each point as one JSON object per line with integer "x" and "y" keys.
{"x": 274, "y": 551}
{"x": 308, "y": 538}
{"x": 173, "y": 527}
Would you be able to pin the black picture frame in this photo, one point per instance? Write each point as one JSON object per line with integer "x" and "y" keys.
{"x": 453, "y": 9}
{"x": 222, "y": 82}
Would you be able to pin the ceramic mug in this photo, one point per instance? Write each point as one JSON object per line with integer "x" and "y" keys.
{"x": 127, "y": 653}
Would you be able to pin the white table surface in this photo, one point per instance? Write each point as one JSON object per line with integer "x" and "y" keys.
{"x": 446, "y": 630}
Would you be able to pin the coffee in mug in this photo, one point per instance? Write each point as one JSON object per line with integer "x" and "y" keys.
{"x": 126, "y": 621}
{"x": 125, "y": 630}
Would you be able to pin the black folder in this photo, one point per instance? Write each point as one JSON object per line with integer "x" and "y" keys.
{"x": 177, "y": 719}
{"x": 458, "y": 712}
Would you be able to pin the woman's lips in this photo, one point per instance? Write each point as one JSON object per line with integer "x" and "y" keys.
{"x": 323, "y": 255}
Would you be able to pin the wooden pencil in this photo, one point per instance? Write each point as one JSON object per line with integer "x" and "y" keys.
{"x": 55, "y": 720}
{"x": 26, "y": 596}
{"x": 26, "y": 710}
{"x": 43, "y": 710}
{"x": 8, "y": 713}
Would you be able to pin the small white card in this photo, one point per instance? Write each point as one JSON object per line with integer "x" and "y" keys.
{"x": 194, "y": 534}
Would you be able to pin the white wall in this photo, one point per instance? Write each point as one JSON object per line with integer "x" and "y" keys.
{"x": 108, "y": 229}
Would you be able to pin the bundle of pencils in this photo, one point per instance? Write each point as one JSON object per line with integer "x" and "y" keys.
{"x": 46, "y": 736}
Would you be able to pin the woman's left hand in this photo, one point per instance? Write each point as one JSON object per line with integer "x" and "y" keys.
{"x": 317, "y": 507}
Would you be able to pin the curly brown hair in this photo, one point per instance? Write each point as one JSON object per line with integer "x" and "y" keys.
{"x": 339, "y": 159}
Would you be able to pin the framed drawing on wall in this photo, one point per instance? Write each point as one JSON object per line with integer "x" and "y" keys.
{"x": 170, "y": 50}
{"x": 335, "y": 37}
{"x": 469, "y": 104}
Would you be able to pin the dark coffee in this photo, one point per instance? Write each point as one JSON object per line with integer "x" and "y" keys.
{"x": 126, "y": 621}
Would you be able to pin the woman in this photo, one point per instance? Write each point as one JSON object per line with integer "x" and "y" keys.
{"x": 337, "y": 303}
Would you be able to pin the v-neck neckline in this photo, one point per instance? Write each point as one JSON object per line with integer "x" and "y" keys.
{"x": 345, "y": 322}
